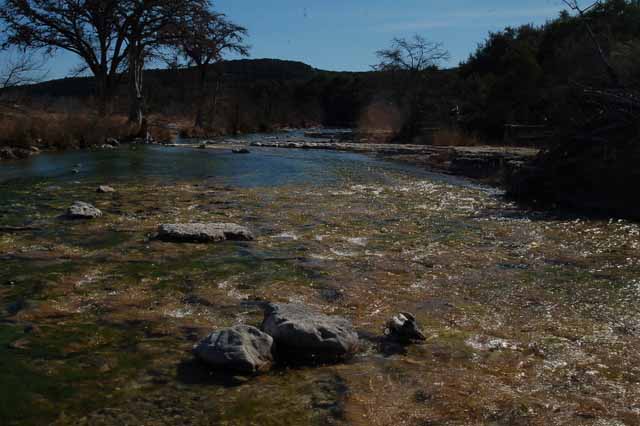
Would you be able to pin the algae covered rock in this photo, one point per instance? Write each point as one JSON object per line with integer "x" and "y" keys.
{"x": 203, "y": 232}
{"x": 303, "y": 335}
{"x": 241, "y": 348}
{"x": 82, "y": 210}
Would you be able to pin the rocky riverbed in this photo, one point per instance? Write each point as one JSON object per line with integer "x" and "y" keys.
{"x": 528, "y": 318}
{"x": 486, "y": 163}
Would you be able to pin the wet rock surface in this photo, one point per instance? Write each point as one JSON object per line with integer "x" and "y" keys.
{"x": 240, "y": 151}
{"x": 203, "y": 232}
{"x": 105, "y": 189}
{"x": 404, "y": 328}
{"x": 241, "y": 348}
{"x": 82, "y": 210}
{"x": 302, "y": 335}
{"x": 481, "y": 162}
{"x": 17, "y": 153}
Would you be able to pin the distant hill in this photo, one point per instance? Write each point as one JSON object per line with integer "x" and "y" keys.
{"x": 244, "y": 70}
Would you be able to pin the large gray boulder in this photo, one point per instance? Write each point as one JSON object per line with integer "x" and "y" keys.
{"x": 203, "y": 232}
{"x": 82, "y": 210}
{"x": 302, "y": 335}
{"x": 241, "y": 348}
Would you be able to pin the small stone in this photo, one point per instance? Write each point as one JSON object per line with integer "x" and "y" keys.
{"x": 241, "y": 348}
{"x": 104, "y": 189}
{"x": 203, "y": 232}
{"x": 404, "y": 328}
{"x": 82, "y": 210}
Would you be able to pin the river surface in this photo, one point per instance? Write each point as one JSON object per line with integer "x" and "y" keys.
{"x": 532, "y": 318}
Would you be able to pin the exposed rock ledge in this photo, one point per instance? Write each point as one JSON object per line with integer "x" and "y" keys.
{"x": 203, "y": 232}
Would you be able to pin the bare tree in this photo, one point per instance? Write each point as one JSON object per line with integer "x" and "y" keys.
{"x": 415, "y": 55}
{"x": 108, "y": 35}
{"x": 575, "y": 6}
{"x": 202, "y": 41}
{"x": 146, "y": 24}
{"x": 412, "y": 58}
{"x": 21, "y": 70}
{"x": 92, "y": 29}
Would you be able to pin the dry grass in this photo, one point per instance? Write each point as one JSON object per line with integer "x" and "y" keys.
{"x": 37, "y": 128}
{"x": 454, "y": 137}
{"x": 24, "y": 128}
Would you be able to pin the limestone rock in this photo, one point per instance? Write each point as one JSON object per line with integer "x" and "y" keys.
{"x": 304, "y": 335}
{"x": 104, "y": 189}
{"x": 82, "y": 210}
{"x": 203, "y": 232}
{"x": 404, "y": 328}
{"x": 241, "y": 348}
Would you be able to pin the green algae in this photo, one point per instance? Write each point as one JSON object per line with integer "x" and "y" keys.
{"x": 521, "y": 312}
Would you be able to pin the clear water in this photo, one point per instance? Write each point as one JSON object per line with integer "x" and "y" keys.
{"x": 262, "y": 167}
{"x": 523, "y": 311}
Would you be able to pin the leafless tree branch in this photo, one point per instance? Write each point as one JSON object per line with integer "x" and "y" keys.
{"x": 21, "y": 70}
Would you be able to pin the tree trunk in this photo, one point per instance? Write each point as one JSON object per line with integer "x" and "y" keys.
{"x": 103, "y": 93}
{"x": 214, "y": 103}
{"x": 136, "y": 98}
{"x": 201, "y": 97}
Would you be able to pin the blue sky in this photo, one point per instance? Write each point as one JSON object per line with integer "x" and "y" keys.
{"x": 344, "y": 34}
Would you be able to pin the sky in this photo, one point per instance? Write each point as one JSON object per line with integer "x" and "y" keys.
{"x": 343, "y": 35}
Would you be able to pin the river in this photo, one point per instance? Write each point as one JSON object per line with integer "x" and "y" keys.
{"x": 531, "y": 317}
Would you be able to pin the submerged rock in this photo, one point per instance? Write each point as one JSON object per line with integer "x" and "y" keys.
{"x": 240, "y": 151}
{"x": 241, "y": 348}
{"x": 203, "y": 232}
{"x": 15, "y": 153}
{"x": 404, "y": 328}
{"x": 82, "y": 210}
{"x": 104, "y": 189}
{"x": 302, "y": 335}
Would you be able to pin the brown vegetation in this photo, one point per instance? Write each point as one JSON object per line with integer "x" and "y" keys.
{"x": 454, "y": 137}
{"x": 58, "y": 130}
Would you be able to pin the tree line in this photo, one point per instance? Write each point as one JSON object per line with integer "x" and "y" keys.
{"x": 114, "y": 39}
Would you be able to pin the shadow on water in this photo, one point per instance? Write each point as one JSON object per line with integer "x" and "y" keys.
{"x": 194, "y": 372}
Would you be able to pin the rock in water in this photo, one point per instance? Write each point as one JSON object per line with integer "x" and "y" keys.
{"x": 404, "y": 328}
{"x": 103, "y": 189}
{"x": 302, "y": 335}
{"x": 203, "y": 232}
{"x": 82, "y": 210}
{"x": 241, "y": 348}
{"x": 240, "y": 151}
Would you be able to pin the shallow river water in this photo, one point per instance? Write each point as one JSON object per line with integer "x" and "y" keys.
{"x": 531, "y": 318}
